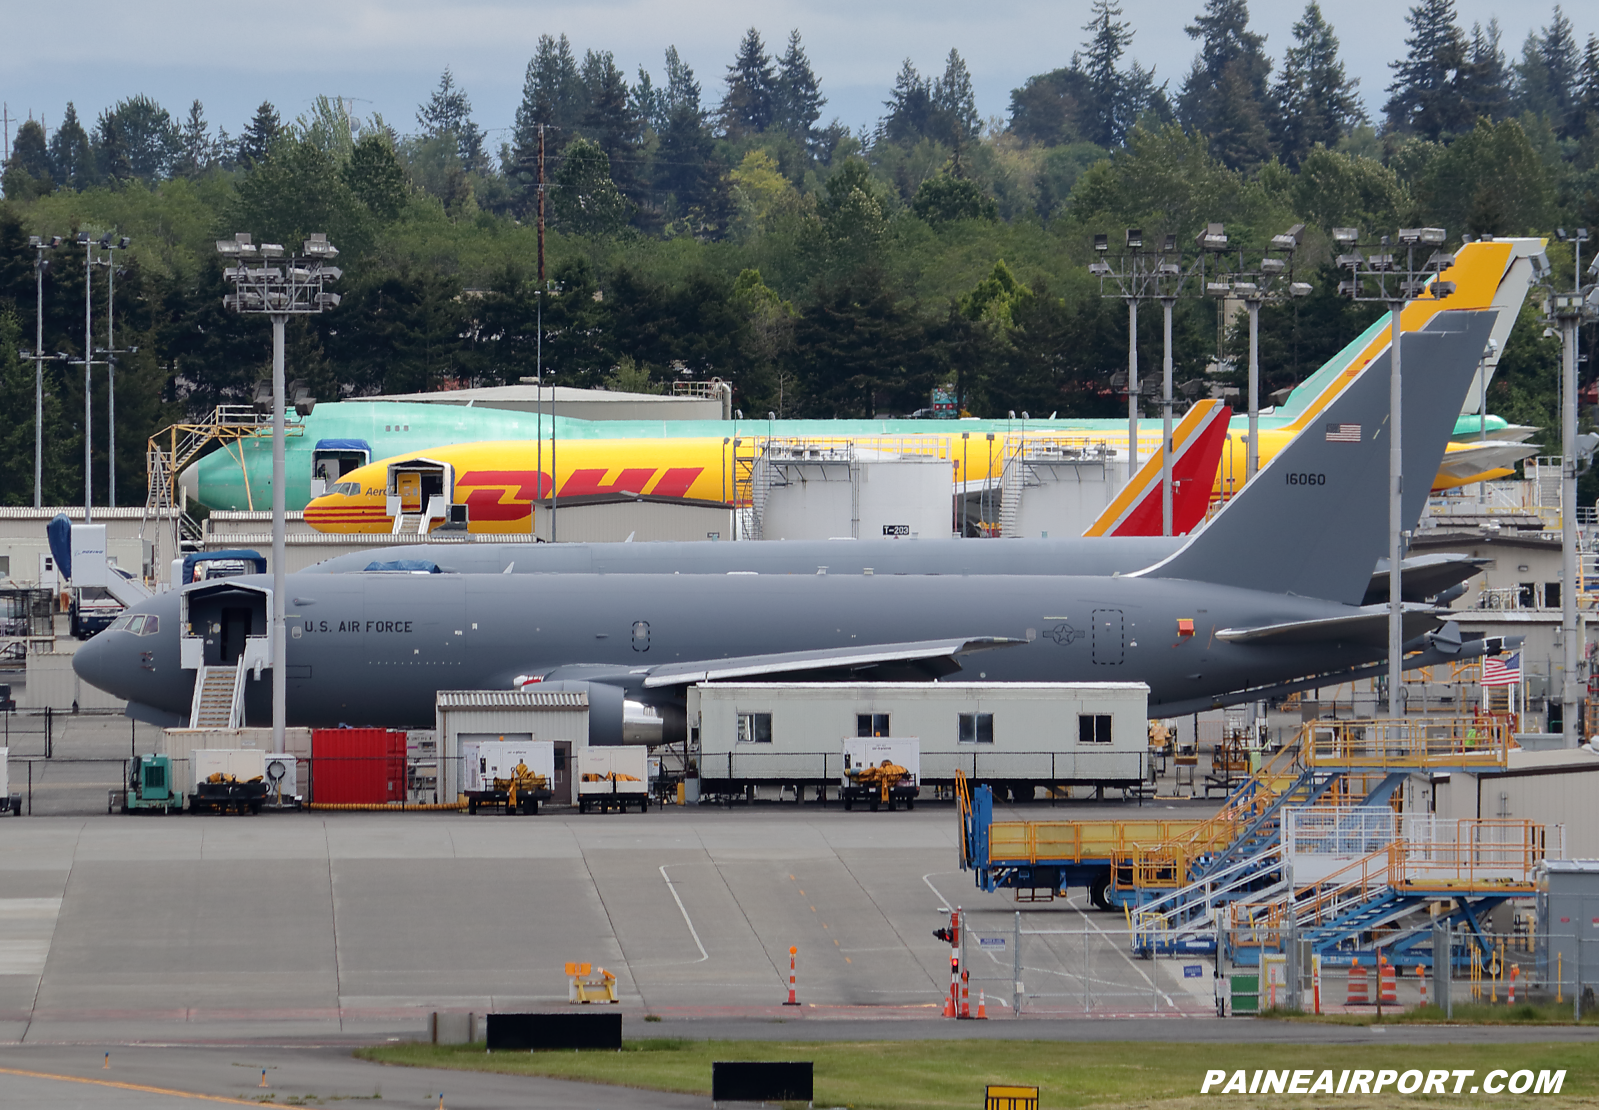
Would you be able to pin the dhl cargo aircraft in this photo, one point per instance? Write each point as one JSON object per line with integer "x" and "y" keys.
{"x": 338, "y": 438}
{"x": 500, "y": 484}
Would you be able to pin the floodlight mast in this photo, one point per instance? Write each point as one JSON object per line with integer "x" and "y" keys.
{"x": 40, "y": 266}
{"x": 1169, "y": 279}
{"x": 1133, "y": 284}
{"x": 294, "y": 287}
{"x": 1568, "y": 310}
{"x": 1395, "y": 282}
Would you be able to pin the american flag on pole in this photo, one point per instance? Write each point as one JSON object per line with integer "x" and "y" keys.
{"x": 1343, "y": 433}
{"x": 1501, "y": 670}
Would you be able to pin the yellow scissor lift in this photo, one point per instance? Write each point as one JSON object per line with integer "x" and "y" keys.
{"x": 1170, "y": 875}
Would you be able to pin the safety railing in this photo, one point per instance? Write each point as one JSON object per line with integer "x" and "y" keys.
{"x": 1413, "y": 742}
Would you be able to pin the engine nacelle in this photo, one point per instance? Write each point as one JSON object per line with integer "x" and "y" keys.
{"x": 615, "y": 718}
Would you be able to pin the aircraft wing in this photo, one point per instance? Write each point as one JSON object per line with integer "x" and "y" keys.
{"x": 1423, "y": 576}
{"x": 1367, "y": 625}
{"x": 931, "y": 658}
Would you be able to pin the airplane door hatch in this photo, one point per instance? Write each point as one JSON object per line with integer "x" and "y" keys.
{"x": 1107, "y": 639}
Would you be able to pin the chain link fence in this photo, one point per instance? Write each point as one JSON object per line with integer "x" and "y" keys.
{"x": 1049, "y": 964}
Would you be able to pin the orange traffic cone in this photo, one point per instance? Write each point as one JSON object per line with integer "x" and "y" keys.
{"x": 982, "y": 1005}
{"x": 1515, "y": 973}
{"x": 1358, "y": 994}
{"x": 966, "y": 994}
{"x": 1387, "y": 984}
{"x": 1421, "y": 980}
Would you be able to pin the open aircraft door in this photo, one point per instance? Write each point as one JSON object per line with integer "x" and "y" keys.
{"x": 332, "y": 459}
{"x": 421, "y": 489}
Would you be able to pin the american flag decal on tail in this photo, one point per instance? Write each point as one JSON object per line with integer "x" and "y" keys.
{"x": 1343, "y": 433}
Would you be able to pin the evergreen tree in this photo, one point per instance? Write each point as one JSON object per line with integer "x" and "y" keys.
{"x": 1103, "y": 118}
{"x": 911, "y": 111}
{"x": 71, "y": 157}
{"x": 1549, "y": 74}
{"x": 608, "y": 120}
{"x": 956, "y": 103}
{"x": 1315, "y": 101}
{"x": 1428, "y": 93}
{"x": 137, "y": 138}
{"x": 30, "y": 153}
{"x": 747, "y": 106}
{"x": 683, "y": 159}
{"x": 1485, "y": 83}
{"x": 448, "y": 112}
{"x": 552, "y": 95}
{"x": 1587, "y": 106}
{"x": 645, "y": 104}
{"x": 198, "y": 150}
{"x": 259, "y": 135}
{"x": 1224, "y": 96}
{"x": 798, "y": 100}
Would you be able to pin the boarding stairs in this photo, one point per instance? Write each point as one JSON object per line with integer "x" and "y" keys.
{"x": 1375, "y": 904}
{"x": 218, "y": 697}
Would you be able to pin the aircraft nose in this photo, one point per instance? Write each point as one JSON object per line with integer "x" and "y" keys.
{"x": 99, "y": 663}
{"x": 189, "y": 482}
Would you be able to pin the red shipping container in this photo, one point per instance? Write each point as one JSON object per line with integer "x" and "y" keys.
{"x": 357, "y": 766}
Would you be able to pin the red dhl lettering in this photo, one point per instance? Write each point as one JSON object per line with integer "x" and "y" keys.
{"x": 506, "y": 494}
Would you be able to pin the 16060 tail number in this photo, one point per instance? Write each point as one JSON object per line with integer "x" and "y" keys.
{"x": 1302, "y": 479}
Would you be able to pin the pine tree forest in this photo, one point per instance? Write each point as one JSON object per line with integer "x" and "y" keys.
{"x": 724, "y": 224}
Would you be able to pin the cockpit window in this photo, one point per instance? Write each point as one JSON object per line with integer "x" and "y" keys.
{"x": 152, "y": 625}
{"x": 346, "y": 489}
{"x": 121, "y": 624}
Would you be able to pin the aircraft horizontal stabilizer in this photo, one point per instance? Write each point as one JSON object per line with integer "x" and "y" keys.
{"x": 1468, "y": 462}
{"x": 1367, "y": 626}
{"x": 935, "y": 658}
{"x": 1424, "y": 576}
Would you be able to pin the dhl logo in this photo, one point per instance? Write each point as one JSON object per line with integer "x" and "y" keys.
{"x": 505, "y": 495}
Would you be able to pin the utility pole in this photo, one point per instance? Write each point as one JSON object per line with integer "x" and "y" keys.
{"x": 541, "y": 207}
{"x": 88, "y": 362}
{"x": 41, "y": 266}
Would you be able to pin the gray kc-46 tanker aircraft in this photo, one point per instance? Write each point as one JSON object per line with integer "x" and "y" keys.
{"x": 1262, "y": 600}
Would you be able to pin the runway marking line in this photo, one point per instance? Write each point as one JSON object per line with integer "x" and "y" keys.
{"x": 130, "y": 1087}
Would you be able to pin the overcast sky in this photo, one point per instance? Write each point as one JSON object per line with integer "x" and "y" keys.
{"x": 387, "y": 54}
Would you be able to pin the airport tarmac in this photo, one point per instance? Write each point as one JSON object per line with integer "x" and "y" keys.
{"x": 310, "y": 925}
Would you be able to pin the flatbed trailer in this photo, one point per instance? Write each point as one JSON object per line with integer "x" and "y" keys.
{"x": 1042, "y": 860}
{"x": 526, "y": 801}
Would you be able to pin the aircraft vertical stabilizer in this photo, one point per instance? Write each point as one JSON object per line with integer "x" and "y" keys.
{"x": 1314, "y": 521}
{"x": 1196, "y": 454}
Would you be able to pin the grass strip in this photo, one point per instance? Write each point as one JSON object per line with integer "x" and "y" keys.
{"x": 1465, "y": 1013}
{"x": 901, "y": 1075}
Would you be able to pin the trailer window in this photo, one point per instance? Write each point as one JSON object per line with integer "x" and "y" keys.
{"x": 1093, "y": 728}
{"x": 754, "y": 728}
{"x": 871, "y": 724}
{"x": 977, "y": 728}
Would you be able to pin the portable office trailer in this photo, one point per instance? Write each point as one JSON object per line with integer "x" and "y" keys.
{"x": 1013, "y": 735}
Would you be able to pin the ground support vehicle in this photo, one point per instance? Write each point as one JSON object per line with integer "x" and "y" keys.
{"x": 881, "y": 770}
{"x": 150, "y": 786}
{"x": 514, "y": 775}
{"x": 613, "y": 778}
